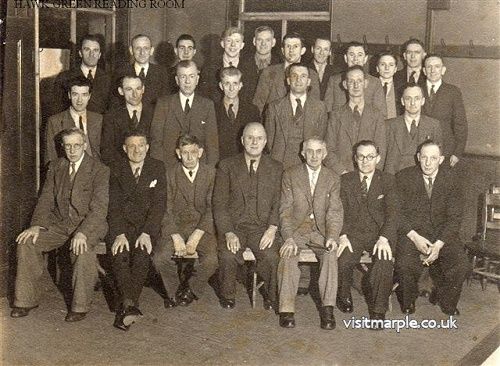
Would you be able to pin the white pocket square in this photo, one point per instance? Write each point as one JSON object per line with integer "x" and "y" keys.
{"x": 203, "y": 122}
{"x": 380, "y": 197}
{"x": 153, "y": 183}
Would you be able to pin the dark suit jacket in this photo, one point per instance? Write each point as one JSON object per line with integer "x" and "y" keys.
{"x": 436, "y": 218}
{"x": 178, "y": 199}
{"x": 279, "y": 116}
{"x": 381, "y": 203}
{"x": 170, "y": 121}
{"x": 89, "y": 198}
{"x": 400, "y": 81}
{"x": 155, "y": 83}
{"x": 251, "y": 73}
{"x": 401, "y": 151}
{"x": 448, "y": 108}
{"x": 230, "y": 196}
{"x": 136, "y": 208}
{"x": 62, "y": 121}
{"x": 323, "y": 84}
{"x": 101, "y": 89}
{"x": 341, "y": 135}
{"x": 272, "y": 85}
{"x": 117, "y": 124}
{"x": 336, "y": 95}
{"x": 231, "y": 131}
{"x": 297, "y": 202}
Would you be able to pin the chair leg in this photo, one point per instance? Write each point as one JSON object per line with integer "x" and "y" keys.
{"x": 254, "y": 288}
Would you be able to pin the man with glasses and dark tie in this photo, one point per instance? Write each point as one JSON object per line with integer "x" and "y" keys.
{"x": 370, "y": 204}
{"x": 77, "y": 115}
{"x": 71, "y": 209}
{"x": 431, "y": 215}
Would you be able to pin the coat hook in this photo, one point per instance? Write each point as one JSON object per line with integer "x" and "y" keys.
{"x": 442, "y": 43}
{"x": 471, "y": 47}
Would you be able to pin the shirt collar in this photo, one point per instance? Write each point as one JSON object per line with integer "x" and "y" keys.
{"x": 262, "y": 60}
{"x": 85, "y": 69}
{"x": 408, "y": 119}
{"x": 383, "y": 81}
{"x": 138, "y": 68}
{"x": 235, "y": 103}
{"x": 74, "y": 114}
{"x": 133, "y": 166}
{"x": 77, "y": 163}
{"x": 436, "y": 85}
{"x": 361, "y": 106}
{"x": 409, "y": 72}
{"x": 194, "y": 170}
{"x": 131, "y": 109}
{"x": 433, "y": 176}
{"x": 225, "y": 60}
{"x": 255, "y": 165}
{"x": 310, "y": 171}
{"x": 183, "y": 99}
{"x": 319, "y": 66}
{"x": 302, "y": 99}
{"x": 369, "y": 176}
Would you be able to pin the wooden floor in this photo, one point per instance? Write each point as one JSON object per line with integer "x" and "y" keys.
{"x": 206, "y": 334}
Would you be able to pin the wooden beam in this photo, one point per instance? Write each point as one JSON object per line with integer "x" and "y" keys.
{"x": 310, "y": 16}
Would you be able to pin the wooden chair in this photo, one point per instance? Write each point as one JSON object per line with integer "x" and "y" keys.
{"x": 485, "y": 245}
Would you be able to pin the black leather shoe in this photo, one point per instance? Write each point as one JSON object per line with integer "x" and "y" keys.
{"x": 186, "y": 297}
{"x": 169, "y": 303}
{"x": 345, "y": 305}
{"x": 268, "y": 304}
{"x": 410, "y": 309}
{"x": 433, "y": 297}
{"x": 74, "y": 316}
{"x": 20, "y": 312}
{"x": 327, "y": 318}
{"x": 303, "y": 291}
{"x": 453, "y": 312}
{"x": 132, "y": 313}
{"x": 377, "y": 325}
{"x": 227, "y": 303}
{"x": 118, "y": 323}
{"x": 287, "y": 320}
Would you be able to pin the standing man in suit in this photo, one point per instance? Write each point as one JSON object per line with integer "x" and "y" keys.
{"x": 187, "y": 226}
{"x": 295, "y": 117}
{"x": 310, "y": 218}
{"x": 133, "y": 115}
{"x": 246, "y": 204}
{"x": 185, "y": 49}
{"x": 72, "y": 208}
{"x": 232, "y": 113}
{"x": 355, "y": 121}
{"x": 181, "y": 113}
{"x": 321, "y": 50}
{"x": 406, "y": 133}
{"x": 431, "y": 215}
{"x": 155, "y": 77}
{"x": 272, "y": 80}
{"x": 387, "y": 66}
{"x": 90, "y": 53}
{"x": 445, "y": 103}
{"x": 370, "y": 204}
{"x": 137, "y": 192}
{"x": 77, "y": 115}
{"x": 336, "y": 96}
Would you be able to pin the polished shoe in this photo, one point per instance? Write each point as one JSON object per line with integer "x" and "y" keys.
{"x": 345, "y": 305}
{"x": 302, "y": 291}
{"x": 20, "y": 312}
{"x": 287, "y": 320}
{"x": 227, "y": 303}
{"x": 118, "y": 323}
{"x": 185, "y": 297}
{"x": 74, "y": 316}
{"x": 131, "y": 314}
{"x": 169, "y": 303}
{"x": 327, "y": 318}
{"x": 377, "y": 325}
{"x": 453, "y": 312}
{"x": 268, "y": 304}
{"x": 433, "y": 297}
{"x": 409, "y": 309}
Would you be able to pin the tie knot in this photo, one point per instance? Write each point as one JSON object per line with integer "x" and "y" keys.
{"x": 365, "y": 178}
{"x": 299, "y": 102}
{"x": 73, "y": 166}
{"x": 134, "y": 112}
{"x": 414, "y": 123}
{"x": 252, "y": 166}
{"x": 137, "y": 171}
{"x": 356, "y": 109}
{"x": 89, "y": 75}
{"x": 190, "y": 173}
{"x": 430, "y": 181}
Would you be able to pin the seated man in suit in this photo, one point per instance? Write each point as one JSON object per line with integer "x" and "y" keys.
{"x": 185, "y": 49}
{"x": 271, "y": 85}
{"x": 137, "y": 194}
{"x": 232, "y": 113}
{"x": 370, "y": 204}
{"x": 294, "y": 117}
{"x": 310, "y": 217}
{"x": 405, "y": 133}
{"x": 336, "y": 96}
{"x": 181, "y": 113}
{"x": 431, "y": 214}
{"x": 246, "y": 203}
{"x": 133, "y": 115}
{"x": 89, "y": 51}
{"x": 77, "y": 115}
{"x": 155, "y": 77}
{"x": 387, "y": 65}
{"x": 355, "y": 121}
{"x": 322, "y": 50}
{"x": 187, "y": 226}
{"x": 71, "y": 209}
{"x": 444, "y": 102}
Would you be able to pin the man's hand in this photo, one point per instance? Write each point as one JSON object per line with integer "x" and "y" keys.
{"x": 331, "y": 245}
{"x": 33, "y": 232}
{"x": 79, "y": 243}
{"x": 382, "y": 248}
{"x": 434, "y": 252}
{"x": 268, "y": 238}
{"x": 344, "y": 242}
{"x": 454, "y": 160}
{"x": 179, "y": 245}
{"x": 289, "y": 248}
{"x": 193, "y": 241}
{"x": 232, "y": 242}
{"x": 423, "y": 244}
{"x": 119, "y": 244}
{"x": 144, "y": 242}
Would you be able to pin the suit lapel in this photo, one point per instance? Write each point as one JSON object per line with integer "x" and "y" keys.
{"x": 182, "y": 181}
{"x": 304, "y": 182}
{"x": 178, "y": 112}
{"x": 84, "y": 171}
{"x": 67, "y": 120}
{"x": 286, "y": 117}
{"x": 348, "y": 122}
{"x": 242, "y": 173}
{"x": 401, "y": 134}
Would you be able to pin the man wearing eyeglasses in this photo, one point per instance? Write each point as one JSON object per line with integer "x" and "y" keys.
{"x": 370, "y": 206}
{"x": 71, "y": 209}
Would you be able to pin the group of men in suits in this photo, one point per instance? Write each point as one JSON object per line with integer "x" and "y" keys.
{"x": 190, "y": 176}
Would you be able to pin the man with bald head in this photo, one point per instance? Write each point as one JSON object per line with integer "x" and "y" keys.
{"x": 246, "y": 203}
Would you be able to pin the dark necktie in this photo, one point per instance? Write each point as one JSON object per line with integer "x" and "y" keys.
{"x": 90, "y": 76}
{"x": 187, "y": 108}
{"x": 412, "y": 78}
{"x": 80, "y": 123}
{"x": 72, "y": 172}
{"x": 386, "y": 87}
{"x": 191, "y": 174}
{"x": 356, "y": 114}
{"x": 230, "y": 113}
{"x": 432, "y": 94}
{"x": 142, "y": 74}
{"x": 428, "y": 187}
{"x": 135, "y": 120}
{"x": 252, "y": 168}
{"x": 298, "y": 111}
{"x": 364, "y": 185}
{"x": 137, "y": 174}
{"x": 413, "y": 129}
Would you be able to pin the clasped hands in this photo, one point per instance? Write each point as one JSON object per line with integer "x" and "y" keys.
{"x": 424, "y": 246}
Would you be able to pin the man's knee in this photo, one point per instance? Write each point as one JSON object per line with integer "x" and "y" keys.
{"x": 162, "y": 255}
